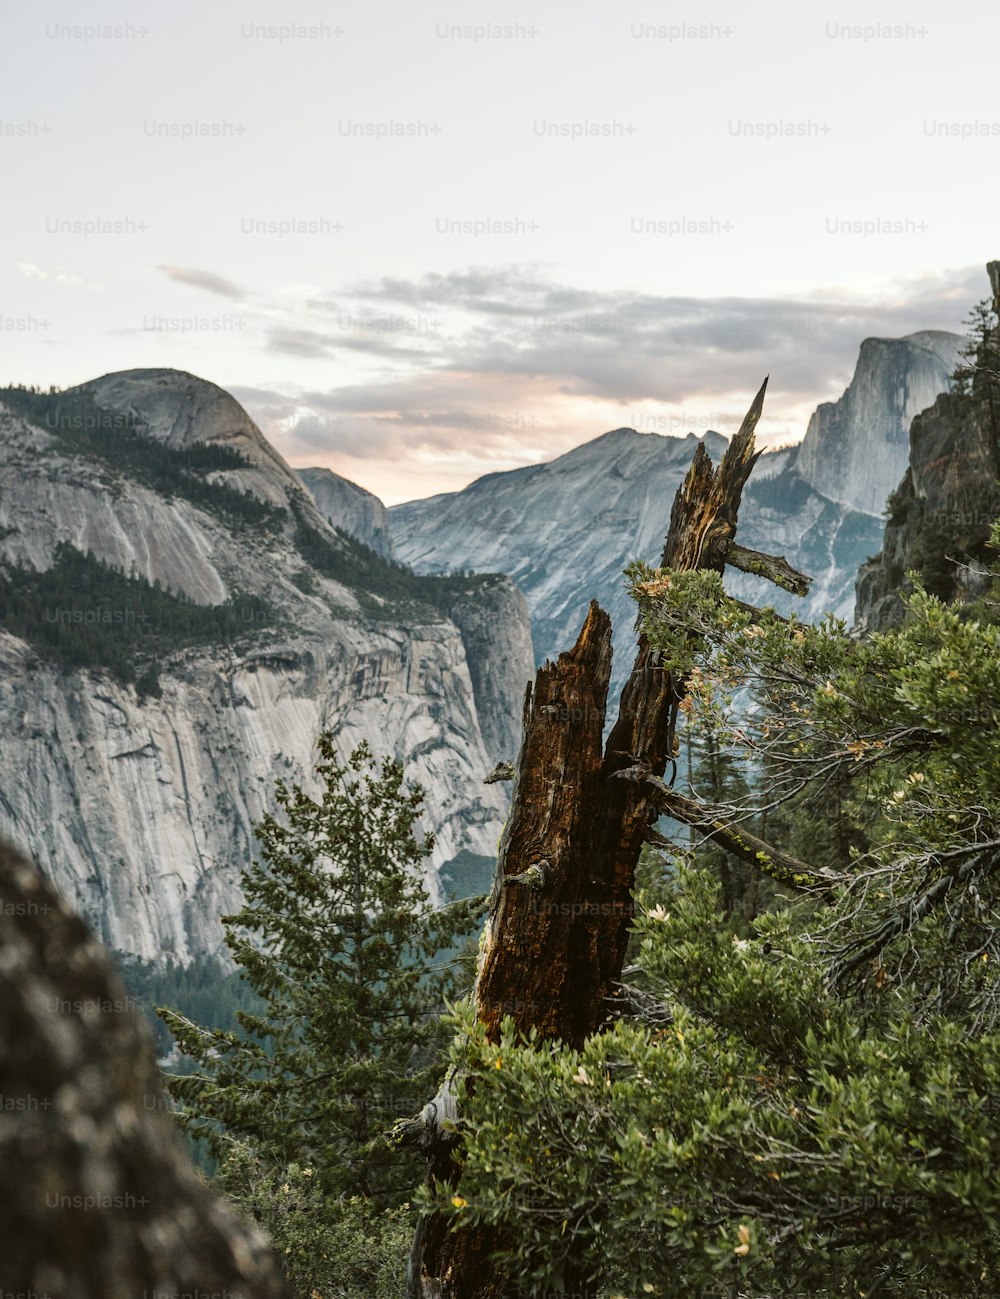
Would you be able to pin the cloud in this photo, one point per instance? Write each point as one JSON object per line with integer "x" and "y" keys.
{"x": 518, "y": 289}
{"x": 32, "y": 271}
{"x": 298, "y": 342}
{"x": 628, "y": 346}
{"x": 268, "y": 405}
{"x": 437, "y": 414}
{"x": 207, "y": 280}
{"x": 317, "y": 344}
{"x": 317, "y": 433}
{"x": 490, "y": 368}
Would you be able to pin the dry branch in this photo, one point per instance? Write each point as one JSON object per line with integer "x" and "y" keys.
{"x": 774, "y": 567}
{"x": 712, "y": 822}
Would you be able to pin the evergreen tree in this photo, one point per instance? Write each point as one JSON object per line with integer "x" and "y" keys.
{"x": 716, "y": 778}
{"x": 813, "y": 1107}
{"x": 975, "y": 381}
{"x": 338, "y": 939}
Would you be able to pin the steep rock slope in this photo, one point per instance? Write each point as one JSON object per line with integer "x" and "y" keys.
{"x": 136, "y": 795}
{"x": 347, "y": 506}
{"x": 940, "y": 515}
{"x": 855, "y": 449}
{"x": 492, "y": 617}
{"x": 565, "y": 530}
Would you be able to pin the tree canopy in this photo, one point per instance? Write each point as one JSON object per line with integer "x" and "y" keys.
{"x": 338, "y": 939}
{"x": 809, "y": 1102}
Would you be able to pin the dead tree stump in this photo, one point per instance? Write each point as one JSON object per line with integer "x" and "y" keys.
{"x": 560, "y": 910}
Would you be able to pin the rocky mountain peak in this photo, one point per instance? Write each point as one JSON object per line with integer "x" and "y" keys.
{"x": 941, "y": 510}
{"x": 855, "y": 449}
{"x": 347, "y": 506}
{"x": 182, "y": 410}
{"x": 628, "y": 447}
{"x": 176, "y": 407}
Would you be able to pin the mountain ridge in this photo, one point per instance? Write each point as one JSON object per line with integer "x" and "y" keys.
{"x": 941, "y": 511}
{"x": 139, "y": 802}
{"x": 564, "y": 530}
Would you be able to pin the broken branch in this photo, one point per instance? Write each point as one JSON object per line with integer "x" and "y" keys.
{"x": 774, "y": 567}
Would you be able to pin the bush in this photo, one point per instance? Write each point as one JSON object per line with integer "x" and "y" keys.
{"x": 332, "y": 1248}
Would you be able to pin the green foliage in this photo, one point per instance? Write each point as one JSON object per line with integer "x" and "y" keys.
{"x": 305, "y": 582}
{"x": 975, "y": 380}
{"x": 331, "y": 1248}
{"x": 767, "y": 1116}
{"x": 896, "y": 508}
{"x": 82, "y": 613}
{"x": 202, "y": 990}
{"x": 939, "y": 540}
{"x": 117, "y": 440}
{"x": 384, "y": 586}
{"x": 815, "y": 1110}
{"x": 715, "y": 777}
{"x": 338, "y": 939}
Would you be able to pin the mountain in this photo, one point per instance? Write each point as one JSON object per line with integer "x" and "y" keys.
{"x": 350, "y": 508}
{"x": 564, "y": 530}
{"x": 855, "y": 450}
{"x": 178, "y": 621}
{"x": 941, "y": 512}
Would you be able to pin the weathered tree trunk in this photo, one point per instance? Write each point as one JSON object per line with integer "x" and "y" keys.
{"x": 560, "y": 911}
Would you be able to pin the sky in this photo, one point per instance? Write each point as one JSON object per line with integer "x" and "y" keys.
{"x": 422, "y": 243}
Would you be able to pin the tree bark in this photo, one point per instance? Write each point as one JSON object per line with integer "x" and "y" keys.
{"x": 100, "y": 1198}
{"x": 774, "y": 567}
{"x": 561, "y": 908}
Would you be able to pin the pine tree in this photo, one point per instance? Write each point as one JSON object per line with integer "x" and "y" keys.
{"x": 338, "y": 938}
{"x": 715, "y": 777}
{"x": 806, "y": 1103}
{"x": 976, "y": 379}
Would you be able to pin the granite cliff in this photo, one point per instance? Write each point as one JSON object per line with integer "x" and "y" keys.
{"x": 941, "y": 512}
{"x": 855, "y": 450}
{"x": 146, "y": 524}
{"x": 349, "y": 507}
{"x": 564, "y": 530}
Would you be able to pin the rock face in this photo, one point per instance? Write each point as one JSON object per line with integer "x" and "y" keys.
{"x": 782, "y": 515}
{"x": 855, "y": 449}
{"x": 349, "y": 507}
{"x": 565, "y": 530}
{"x": 941, "y": 513}
{"x": 100, "y": 1199}
{"x": 488, "y": 611}
{"x": 140, "y": 807}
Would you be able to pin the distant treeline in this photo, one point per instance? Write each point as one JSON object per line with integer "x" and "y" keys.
{"x": 117, "y": 439}
{"x": 203, "y": 990}
{"x": 82, "y": 613}
{"x": 384, "y": 586}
